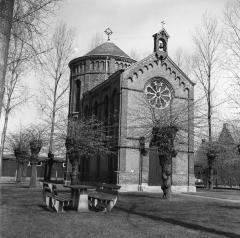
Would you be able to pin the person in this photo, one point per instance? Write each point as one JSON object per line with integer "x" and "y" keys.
{"x": 48, "y": 166}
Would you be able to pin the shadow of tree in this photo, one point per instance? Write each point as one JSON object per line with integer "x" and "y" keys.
{"x": 230, "y": 207}
{"x": 179, "y": 223}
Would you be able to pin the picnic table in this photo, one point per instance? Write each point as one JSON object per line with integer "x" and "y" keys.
{"x": 55, "y": 196}
{"x": 79, "y": 194}
{"x": 104, "y": 198}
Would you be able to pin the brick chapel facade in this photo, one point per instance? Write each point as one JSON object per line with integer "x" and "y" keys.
{"x": 107, "y": 83}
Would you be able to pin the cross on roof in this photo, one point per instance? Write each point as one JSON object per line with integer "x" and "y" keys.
{"x": 163, "y": 23}
{"x": 108, "y": 32}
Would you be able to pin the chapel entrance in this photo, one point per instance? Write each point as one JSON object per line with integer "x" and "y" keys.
{"x": 155, "y": 171}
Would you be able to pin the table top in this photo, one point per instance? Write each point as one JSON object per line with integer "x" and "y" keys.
{"x": 79, "y": 186}
{"x": 112, "y": 186}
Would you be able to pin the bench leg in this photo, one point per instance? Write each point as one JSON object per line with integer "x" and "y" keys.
{"x": 58, "y": 205}
{"x": 48, "y": 201}
{"x": 83, "y": 203}
{"x": 110, "y": 206}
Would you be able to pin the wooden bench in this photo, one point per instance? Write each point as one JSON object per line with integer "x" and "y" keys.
{"x": 104, "y": 198}
{"x": 53, "y": 199}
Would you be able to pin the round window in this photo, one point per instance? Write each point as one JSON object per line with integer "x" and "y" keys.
{"x": 158, "y": 93}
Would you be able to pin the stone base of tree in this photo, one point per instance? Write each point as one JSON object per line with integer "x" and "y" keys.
{"x": 155, "y": 189}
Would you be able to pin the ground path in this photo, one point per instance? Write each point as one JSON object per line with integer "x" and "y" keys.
{"x": 224, "y": 195}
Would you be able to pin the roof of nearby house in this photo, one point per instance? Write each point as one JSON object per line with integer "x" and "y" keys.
{"x": 230, "y": 134}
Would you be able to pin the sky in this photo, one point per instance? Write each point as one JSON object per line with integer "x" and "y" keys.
{"x": 133, "y": 23}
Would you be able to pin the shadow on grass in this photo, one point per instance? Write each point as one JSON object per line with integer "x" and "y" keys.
{"x": 140, "y": 195}
{"x": 180, "y": 223}
{"x": 45, "y": 208}
{"x": 231, "y": 207}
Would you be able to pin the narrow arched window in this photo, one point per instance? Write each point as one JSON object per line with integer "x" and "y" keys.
{"x": 95, "y": 109}
{"x": 106, "y": 112}
{"x": 77, "y": 95}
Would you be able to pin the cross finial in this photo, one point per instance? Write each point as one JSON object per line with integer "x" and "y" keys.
{"x": 163, "y": 23}
{"x": 108, "y": 32}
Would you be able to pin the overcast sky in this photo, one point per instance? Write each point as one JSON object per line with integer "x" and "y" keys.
{"x": 133, "y": 23}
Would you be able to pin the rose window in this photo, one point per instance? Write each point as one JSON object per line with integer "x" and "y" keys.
{"x": 158, "y": 94}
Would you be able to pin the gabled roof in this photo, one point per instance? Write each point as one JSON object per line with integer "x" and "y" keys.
{"x": 107, "y": 48}
{"x": 230, "y": 134}
{"x": 133, "y": 69}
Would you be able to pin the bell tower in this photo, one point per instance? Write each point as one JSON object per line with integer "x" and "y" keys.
{"x": 160, "y": 44}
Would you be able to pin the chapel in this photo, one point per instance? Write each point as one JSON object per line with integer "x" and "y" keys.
{"x": 124, "y": 93}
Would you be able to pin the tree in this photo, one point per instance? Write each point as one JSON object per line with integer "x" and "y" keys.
{"x": 212, "y": 150}
{"x": 6, "y": 12}
{"x": 232, "y": 47}
{"x": 15, "y": 91}
{"x": 55, "y": 86}
{"x": 183, "y": 61}
{"x": 163, "y": 137}
{"x": 36, "y": 138}
{"x": 18, "y": 143}
{"x": 29, "y": 16}
{"x": 167, "y": 129}
{"x": 86, "y": 138}
{"x": 205, "y": 61}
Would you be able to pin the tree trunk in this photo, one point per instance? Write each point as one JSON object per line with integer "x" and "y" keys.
{"x": 53, "y": 121}
{"x": 24, "y": 173}
{"x": 3, "y": 139}
{"x": 75, "y": 172}
{"x": 33, "y": 179}
{"x": 165, "y": 162}
{"x": 19, "y": 172}
{"x": 210, "y": 178}
{"x": 209, "y": 94}
{"x": 6, "y": 13}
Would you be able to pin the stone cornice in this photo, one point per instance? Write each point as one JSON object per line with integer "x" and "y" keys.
{"x": 100, "y": 57}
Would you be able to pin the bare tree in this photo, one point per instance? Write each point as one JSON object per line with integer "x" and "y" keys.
{"x": 15, "y": 91}
{"x": 179, "y": 58}
{"x": 6, "y": 12}
{"x": 232, "y": 47}
{"x": 168, "y": 129}
{"x": 37, "y": 139}
{"x": 30, "y": 17}
{"x": 18, "y": 144}
{"x": 55, "y": 85}
{"x": 28, "y": 14}
{"x": 205, "y": 61}
{"x": 86, "y": 138}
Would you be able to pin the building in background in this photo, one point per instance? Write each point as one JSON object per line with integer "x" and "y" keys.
{"x": 227, "y": 164}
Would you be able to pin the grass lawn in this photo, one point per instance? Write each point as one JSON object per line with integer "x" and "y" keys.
{"x": 135, "y": 215}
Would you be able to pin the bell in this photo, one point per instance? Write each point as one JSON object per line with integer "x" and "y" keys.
{"x": 161, "y": 45}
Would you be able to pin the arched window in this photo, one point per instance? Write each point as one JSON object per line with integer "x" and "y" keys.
{"x": 86, "y": 111}
{"x": 102, "y": 66}
{"x": 106, "y": 112}
{"x": 113, "y": 106}
{"x": 92, "y": 65}
{"x": 77, "y": 95}
{"x": 95, "y": 109}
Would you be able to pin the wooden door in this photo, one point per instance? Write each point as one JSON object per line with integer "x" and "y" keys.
{"x": 155, "y": 174}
